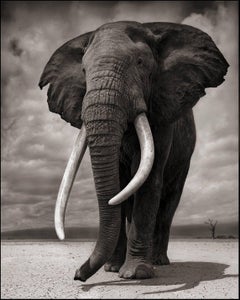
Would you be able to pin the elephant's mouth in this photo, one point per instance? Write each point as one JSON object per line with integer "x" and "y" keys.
{"x": 147, "y": 157}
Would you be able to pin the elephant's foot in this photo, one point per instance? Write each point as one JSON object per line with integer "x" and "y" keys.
{"x": 112, "y": 267}
{"x": 135, "y": 269}
{"x": 160, "y": 259}
{"x": 114, "y": 264}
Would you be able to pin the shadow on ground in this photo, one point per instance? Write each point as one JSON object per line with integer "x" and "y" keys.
{"x": 186, "y": 274}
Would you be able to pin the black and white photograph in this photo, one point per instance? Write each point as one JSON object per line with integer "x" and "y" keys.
{"x": 119, "y": 149}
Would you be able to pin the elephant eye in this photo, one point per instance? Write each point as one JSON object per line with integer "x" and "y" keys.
{"x": 139, "y": 61}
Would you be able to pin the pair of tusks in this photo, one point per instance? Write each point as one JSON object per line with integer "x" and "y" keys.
{"x": 147, "y": 157}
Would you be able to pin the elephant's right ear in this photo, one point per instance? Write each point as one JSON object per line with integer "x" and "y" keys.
{"x": 188, "y": 62}
{"x": 65, "y": 74}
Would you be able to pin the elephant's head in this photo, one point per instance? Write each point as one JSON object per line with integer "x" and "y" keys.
{"x": 124, "y": 72}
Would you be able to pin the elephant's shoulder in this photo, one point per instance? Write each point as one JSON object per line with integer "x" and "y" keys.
{"x": 184, "y": 132}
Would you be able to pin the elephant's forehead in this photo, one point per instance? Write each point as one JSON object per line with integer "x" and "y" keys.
{"x": 117, "y": 29}
{"x": 121, "y": 25}
{"x": 111, "y": 38}
{"x": 111, "y": 33}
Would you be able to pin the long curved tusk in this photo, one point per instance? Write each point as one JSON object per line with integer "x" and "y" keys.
{"x": 74, "y": 161}
{"x": 147, "y": 157}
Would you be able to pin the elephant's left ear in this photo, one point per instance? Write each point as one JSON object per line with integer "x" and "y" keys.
{"x": 65, "y": 74}
{"x": 188, "y": 62}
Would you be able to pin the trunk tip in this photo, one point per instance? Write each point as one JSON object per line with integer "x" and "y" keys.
{"x": 84, "y": 272}
{"x": 78, "y": 276}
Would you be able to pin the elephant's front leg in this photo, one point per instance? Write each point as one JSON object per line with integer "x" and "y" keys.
{"x": 119, "y": 254}
{"x": 146, "y": 203}
{"x": 137, "y": 263}
{"x": 172, "y": 192}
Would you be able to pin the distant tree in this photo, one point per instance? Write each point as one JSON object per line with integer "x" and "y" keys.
{"x": 212, "y": 227}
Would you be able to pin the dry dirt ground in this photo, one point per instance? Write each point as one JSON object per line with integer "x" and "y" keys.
{"x": 199, "y": 269}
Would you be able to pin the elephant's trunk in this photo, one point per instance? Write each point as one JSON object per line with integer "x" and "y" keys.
{"x": 105, "y": 113}
{"x": 105, "y": 125}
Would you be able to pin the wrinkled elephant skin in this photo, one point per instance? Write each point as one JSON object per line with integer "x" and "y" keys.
{"x": 131, "y": 87}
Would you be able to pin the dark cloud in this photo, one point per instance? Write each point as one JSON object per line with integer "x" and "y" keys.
{"x": 15, "y": 48}
{"x": 36, "y": 148}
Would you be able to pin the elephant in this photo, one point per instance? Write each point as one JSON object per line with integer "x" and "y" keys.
{"x": 130, "y": 88}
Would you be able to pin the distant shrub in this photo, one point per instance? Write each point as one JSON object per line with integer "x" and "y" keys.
{"x": 224, "y": 236}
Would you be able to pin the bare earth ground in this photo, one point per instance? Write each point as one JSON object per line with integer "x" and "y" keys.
{"x": 199, "y": 269}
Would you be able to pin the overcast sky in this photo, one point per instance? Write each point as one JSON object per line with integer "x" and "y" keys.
{"x": 36, "y": 143}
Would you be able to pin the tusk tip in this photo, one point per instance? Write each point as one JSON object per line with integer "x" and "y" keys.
{"x": 61, "y": 238}
{"x": 113, "y": 202}
{"x": 60, "y": 234}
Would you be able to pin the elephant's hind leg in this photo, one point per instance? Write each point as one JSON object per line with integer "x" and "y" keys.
{"x": 170, "y": 198}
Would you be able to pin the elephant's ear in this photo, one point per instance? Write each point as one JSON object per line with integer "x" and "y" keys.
{"x": 65, "y": 74}
{"x": 188, "y": 62}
